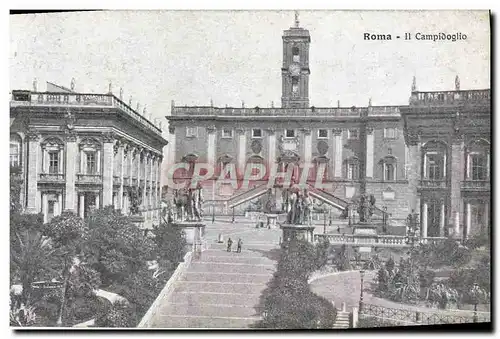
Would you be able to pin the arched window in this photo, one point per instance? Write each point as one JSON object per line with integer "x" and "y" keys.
{"x": 295, "y": 85}
{"x": 352, "y": 168}
{"x": 388, "y": 164}
{"x": 434, "y": 160}
{"x": 478, "y": 160}
{"x": 222, "y": 162}
{"x": 52, "y": 150}
{"x": 15, "y": 150}
{"x": 90, "y": 155}
{"x": 295, "y": 54}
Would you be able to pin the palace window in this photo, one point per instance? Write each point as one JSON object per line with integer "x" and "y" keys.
{"x": 15, "y": 151}
{"x": 289, "y": 133}
{"x": 296, "y": 54}
{"x": 256, "y": 133}
{"x": 352, "y": 168}
{"x": 295, "y": 85}
{"x": 91, "y": 162}
{"x": 227, "y": 133}
{"x": 54, "y": 162}
{"x": 191, "y": 131}
{"x": 434, "y": 160}
{"x": 352, "y": 133}
{"x": 479, "y": 167}
{"x": 389, "y": 168}
{"x": 390, "y": 133}
{"x": 323, "y": 134}
{"x": 434, "y": 167}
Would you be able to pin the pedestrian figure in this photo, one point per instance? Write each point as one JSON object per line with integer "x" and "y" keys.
{"x": 240, "y": 243}
{"x": 229, "y": 244}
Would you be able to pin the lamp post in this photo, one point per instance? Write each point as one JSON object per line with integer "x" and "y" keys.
{"x": 232, "y": 220}
{"x": 361, "y": 273}
{"x": 475, "y": 295}
{"x": 324, "y": 222}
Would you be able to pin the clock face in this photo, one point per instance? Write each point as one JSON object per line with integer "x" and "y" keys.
{"x": 294, "y": 69}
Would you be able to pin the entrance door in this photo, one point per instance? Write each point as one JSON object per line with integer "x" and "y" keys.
{"x": 433, "y": 218}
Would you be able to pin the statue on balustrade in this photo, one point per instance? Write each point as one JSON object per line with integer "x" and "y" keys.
{"x": 196, "y": 200}
{"x": 307, "y": 208}
{"x": 135, "y": 194}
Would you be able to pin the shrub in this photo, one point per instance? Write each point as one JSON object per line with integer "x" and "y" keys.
{"x": 121, "y": 314}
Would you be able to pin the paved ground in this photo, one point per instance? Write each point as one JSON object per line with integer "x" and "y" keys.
{"x": 221, "y": 289}
{"x": 346, "y": 287}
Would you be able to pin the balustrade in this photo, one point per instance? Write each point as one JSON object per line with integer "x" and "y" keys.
{"x": 89, "y": 178}
{"x": 51, "y": 177}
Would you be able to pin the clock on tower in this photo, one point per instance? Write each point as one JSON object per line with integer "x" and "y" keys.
{"x": 295, "y": 69}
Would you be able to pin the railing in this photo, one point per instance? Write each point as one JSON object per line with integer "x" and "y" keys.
{"x": 307, "y": 112}
{"x": 451, "y": 97}
{"x": 414, "y": 317}
{"x": 476, "y": 184}
{"x": 89, "y": 178}
{"x": 433, "y": 183}
{"x": 253, "y": 193}
{"x": 79, "y": 99}
{"x": 51, "y": 177}
{"x": 117, "y": 181}
{"x": 378, "y": 241}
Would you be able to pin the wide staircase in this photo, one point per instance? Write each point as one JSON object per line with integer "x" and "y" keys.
{"x": 222, "y": 289}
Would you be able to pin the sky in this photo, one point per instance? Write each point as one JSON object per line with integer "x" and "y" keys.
{"x": 228, "y": 57}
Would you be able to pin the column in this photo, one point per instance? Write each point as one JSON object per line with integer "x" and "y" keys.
{"x": 468, "y": 220}
{"x": 211, "y": 145}
{"x": 486, "y": 217}
{"x": 59, "y": 203}
{"x": 107, "y": 173}
{"x": 99, "y": 161}
{"x": 159, "y": 188}
{"x": 242, "y": 144}
{"x": 97, "y": 200}
{"x": 45, "y": 206}
{"x": 121, "y": 173}
{"x": 414, "y": 173}
{"x": 307, "y": 145}
{"x": 441, "y": 220}
{"x": 457, "y": 162}
{"x": 369, "y": 152}
{"x": 32, "y": 185}
{"x": 82, "y": 206}
{"x": 337, "y": 132}
{"x": 271, "y": 160}
{"x": 150, "y": 198}
{"x": 146, "y": 161}
{"x": 138, "y": 166}
{"x": 407, "y": 151}
{"x": 424, "y": 220}
{"x": 171, "y": 145}
{"x": 45, "y": 161}
{"x": 71, "y": 160}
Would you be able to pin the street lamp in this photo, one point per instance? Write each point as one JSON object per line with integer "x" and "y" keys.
{"x": 475, "y": 295}
{"x": 361, "y": 273}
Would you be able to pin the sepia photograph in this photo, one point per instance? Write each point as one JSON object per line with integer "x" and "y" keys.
{"x": 250, "y": 170}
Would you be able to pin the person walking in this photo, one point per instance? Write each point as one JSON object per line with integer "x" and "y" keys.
{"x": 240, "y": 243}
{"x": 229, "y": 244}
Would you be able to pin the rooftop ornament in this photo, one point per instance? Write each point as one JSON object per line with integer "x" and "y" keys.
{"x": 72, "y": 86}
{"x": 296, "y": 19}
{"x": 34, "y": 85}
{"x": 457, "y": 83}
{"x": 414, "y": 84}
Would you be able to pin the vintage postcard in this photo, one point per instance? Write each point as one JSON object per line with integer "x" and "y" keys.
{"x": 250, "y": 169}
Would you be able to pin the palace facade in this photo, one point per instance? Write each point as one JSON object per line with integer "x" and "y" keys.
{"x": 76, "y": 151}
{"x": 430, "y": 156}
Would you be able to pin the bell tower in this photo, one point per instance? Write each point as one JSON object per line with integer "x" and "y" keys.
{"x": 295, "y": 69}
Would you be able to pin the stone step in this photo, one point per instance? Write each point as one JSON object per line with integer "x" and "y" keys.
{"x": 192, "y": 322}
{"x": 209, "y": 310}
{"x": 265, "y": 253}
{"x": 194, "y": 286}
{"x": 225, "y": 277}
{"x": 236, "y": 259}
{"x": 225, "y": 298}
{"x": 230, "y": 268}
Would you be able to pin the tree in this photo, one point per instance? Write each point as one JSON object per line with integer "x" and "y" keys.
{"x": 287, "y": 302}
{"x": 170, "y": 242}
{"x": 116, "y": 248}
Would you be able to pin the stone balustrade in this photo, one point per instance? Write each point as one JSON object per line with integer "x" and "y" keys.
{"x": 450, "y": 97}
{"x": 89, "y": 178}
{"x": 27, "y": 98}
{"x": 378, "y": 241}
{"x": 51, "y": 177}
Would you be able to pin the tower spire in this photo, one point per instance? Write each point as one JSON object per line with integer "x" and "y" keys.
{"x": 297, "y": 19}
